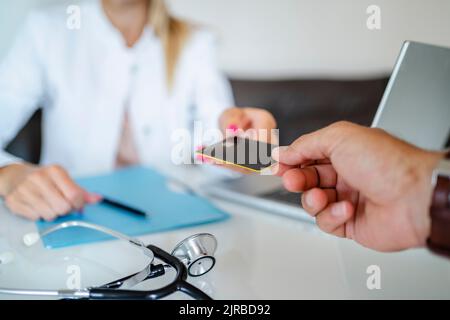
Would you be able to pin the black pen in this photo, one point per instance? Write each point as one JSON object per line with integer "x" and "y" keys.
{"x": 118, "y": 205}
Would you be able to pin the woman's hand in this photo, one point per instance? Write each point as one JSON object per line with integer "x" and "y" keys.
{"x": 254, "y": 123}
{"x": 41, "y": 192}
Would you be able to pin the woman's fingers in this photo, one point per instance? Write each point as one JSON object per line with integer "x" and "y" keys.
{"x": 52, "y": 195}
{"x": 334, "y": 217}
{"x": 27, "y": 195}
{"x": 30, "y": 194}
{"x": 260, "y": 118}
{"x": 20, "y": 208}
{"x": 73, "y": 193}
{"x": 47, "y": 193}
{"x": 252, "y": 123}
{"x": 233, "y": 119}
{"x": 261, "y": 125}
{"x": 92, "y": 198}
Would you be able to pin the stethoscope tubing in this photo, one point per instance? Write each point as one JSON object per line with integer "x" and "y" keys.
{"x": 71, "y": 224}
{"x": 179, "y": 284}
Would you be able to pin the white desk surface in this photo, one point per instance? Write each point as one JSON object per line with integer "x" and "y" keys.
{"x": 260, "y": 256}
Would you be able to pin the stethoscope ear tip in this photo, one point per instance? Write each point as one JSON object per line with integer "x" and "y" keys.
{"x": 31, "y": 238}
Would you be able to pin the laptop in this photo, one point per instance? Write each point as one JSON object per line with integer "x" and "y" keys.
{"x": 414, "y": 107}
{"x": 416, "y": 103}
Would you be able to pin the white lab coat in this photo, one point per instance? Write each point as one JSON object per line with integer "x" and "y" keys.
{"x": 83, "y": 79}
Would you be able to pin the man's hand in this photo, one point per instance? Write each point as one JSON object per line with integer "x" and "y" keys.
{"x": 41, "y": 192}
{"x": 362, "y": 184}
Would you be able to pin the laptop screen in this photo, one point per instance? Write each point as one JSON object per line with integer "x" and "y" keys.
{"x": 416, "y": 104}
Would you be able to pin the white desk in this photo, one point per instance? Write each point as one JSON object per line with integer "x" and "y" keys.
{"x": 260, "y": 256}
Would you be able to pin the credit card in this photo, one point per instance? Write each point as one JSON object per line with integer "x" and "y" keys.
{"x": 244, "y": 153}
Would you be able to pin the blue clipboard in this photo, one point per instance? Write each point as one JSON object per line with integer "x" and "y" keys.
{"x": 139, "y": 187}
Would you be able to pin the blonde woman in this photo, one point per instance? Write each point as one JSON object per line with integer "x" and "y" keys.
{"x": 112, "y": 92}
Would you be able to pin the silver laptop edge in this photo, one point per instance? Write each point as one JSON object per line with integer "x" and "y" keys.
{"x": 416, "y": 103}
{"x": 390, "y": 84}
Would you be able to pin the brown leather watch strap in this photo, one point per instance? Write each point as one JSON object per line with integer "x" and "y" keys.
{"x": 439, "y": 241}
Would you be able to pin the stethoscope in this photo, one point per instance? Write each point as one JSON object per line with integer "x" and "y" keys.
{"x": 194, "y": 256}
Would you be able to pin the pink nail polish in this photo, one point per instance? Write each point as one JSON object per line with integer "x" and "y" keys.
{"x": 233, "y": 128}
{"x": 204, "y": 159}
{"x": 200, "y": 158}
{"x": 92, "y": 198}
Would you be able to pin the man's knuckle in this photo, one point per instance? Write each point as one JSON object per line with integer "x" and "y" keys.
{"x": 341, "y": 124}
{"x": 36, "y": 176}
{"x": 54, "y": 168}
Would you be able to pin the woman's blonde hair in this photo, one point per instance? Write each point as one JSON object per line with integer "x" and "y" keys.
{"x": 173, "y": 33}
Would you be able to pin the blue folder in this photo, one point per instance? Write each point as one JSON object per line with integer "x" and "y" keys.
{"x": 143, "y": 189}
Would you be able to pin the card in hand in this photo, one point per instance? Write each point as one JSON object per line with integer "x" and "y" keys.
{"x": 241, "y": 152}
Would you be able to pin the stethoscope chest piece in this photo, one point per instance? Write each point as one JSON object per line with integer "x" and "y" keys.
{"x": 197, "y": 253}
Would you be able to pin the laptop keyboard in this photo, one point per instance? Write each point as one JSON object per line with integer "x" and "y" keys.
{"x": 283, "y": 196}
